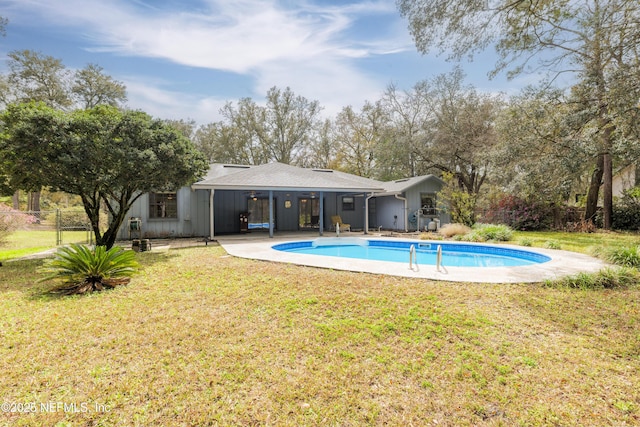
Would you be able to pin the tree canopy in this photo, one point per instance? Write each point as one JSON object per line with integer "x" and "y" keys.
{"x": 594, "y": 40}
{"x": 92, "y": 87}
{"x": 104, "y": 155}
{"x": 255, "y": 134}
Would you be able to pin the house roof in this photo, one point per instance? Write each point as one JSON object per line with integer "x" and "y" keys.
{"x": 401, "y": 185}
{"x": 282, "y": 177}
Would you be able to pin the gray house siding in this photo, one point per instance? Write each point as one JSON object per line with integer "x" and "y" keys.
{"x": 413, "y": 196}
{"x": 390, "y": 213}
{"x": 162, "y": 227}
{"x": 193, "y": 213}
{"x": 242, "y": 189}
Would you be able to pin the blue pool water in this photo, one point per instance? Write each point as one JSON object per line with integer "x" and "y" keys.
{"x": 453, "y": 254}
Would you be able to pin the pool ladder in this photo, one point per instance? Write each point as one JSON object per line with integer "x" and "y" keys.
{"x": 413, "y": 257}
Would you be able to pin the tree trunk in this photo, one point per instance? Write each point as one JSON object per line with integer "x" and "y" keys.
{"x": 36, "y": 201}
{"x": 594, "y": 190}
{"x": 607, "y": 186}
{"x": 33, "y": 201}
{"x": 607, "y": 192}
{"x": 16, "y": 200}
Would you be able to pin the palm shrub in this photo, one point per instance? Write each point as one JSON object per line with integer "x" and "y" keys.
{"x": 82, "y": 269}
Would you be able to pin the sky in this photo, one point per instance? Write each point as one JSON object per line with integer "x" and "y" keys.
{"x": 184, "y": 59}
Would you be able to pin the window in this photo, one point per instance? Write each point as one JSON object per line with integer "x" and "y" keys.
{"x": 163, "y": 205}
{"x": 428, "y": 204}
{"x": 348, "y": 204}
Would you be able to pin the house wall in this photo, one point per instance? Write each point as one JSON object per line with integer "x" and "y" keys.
{"x": 390, "y": 214}
{"x": 413, "y": 201}
{"x": 193, "y": 213}
{"x": 355, "y": 217}
{"x": 624, "y": 180}
{"x": 388, "y": 207}
{"x": 192, "y": 220}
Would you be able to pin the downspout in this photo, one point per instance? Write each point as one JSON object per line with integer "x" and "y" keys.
{"x": 366, "y": 213}
{"x": 406, "y": 211}
{"x": 211, "y": 221}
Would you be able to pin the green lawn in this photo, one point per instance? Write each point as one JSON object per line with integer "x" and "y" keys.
{"x": 27, "y": 242}
{"x": 200, "y": 338}
{"x": 579, "y": 242}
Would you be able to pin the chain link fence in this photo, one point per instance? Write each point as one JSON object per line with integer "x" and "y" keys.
{"x": 72, "y": 220}
{"x": 551, "y": 218}
{"x": 51, "y": 227}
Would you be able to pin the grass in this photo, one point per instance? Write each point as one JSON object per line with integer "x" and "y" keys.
{"x": 585, "y": 243}
{"x": 28, "y": 242}
{"x": 201, "y": 338}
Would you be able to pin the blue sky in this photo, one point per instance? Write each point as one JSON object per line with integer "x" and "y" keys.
{"x": 186, "y": 58}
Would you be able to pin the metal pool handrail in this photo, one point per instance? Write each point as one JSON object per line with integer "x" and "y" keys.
{"x": 413, "y": 257}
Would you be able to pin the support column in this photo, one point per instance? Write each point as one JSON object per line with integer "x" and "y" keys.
{"x": 366, "y": 212}
{"x": 211, "y": 215}
{"x": 271, "y": 213}
{"x": 321, "y": 224}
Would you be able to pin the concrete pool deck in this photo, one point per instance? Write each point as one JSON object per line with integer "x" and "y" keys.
{"x": 563, "y": 263}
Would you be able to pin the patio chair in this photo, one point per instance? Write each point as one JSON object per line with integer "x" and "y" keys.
{"x": 335, "y": 219}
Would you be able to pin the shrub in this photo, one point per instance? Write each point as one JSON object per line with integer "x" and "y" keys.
{"x": 525, "y": 242}
{"x": 520, "y": 214}
{"x": 607, "y": 278}
{"x": 626, "y": 211}
{"x": 552, "y": 244}
{"x": 82, "y": 269}
{"x": 485, "y": 232}
{"x": 460, "y": 204}
{"x": 625, "y": 256}
{"x": 455, "y": 229}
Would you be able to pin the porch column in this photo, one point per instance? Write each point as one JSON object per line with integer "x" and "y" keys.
{"x": 366, "y": 212}
{"x": 321, "y": 225}
{"x": 211, "y": 215}
{"x": 270, "y": 213}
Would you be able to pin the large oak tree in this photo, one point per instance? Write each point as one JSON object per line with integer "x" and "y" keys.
{"x": 106, "y": 156}
{"x": 36, "y": 77}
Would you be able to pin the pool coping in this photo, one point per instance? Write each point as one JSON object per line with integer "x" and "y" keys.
{"x": 563, "y": 263}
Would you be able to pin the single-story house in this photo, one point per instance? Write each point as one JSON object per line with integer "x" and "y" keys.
{"x": 278, "y": 197}
{"x": 625, "y": 179}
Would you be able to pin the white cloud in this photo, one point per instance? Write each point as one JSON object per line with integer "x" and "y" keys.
{"x": 334, "y": 84}
{"x": 309, "y": 47}
{"x": 236, "y": 36}
{"x": 154, "y": 99}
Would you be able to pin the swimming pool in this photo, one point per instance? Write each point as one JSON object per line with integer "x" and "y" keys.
{"x": 453, "y": 254}
{"x": 257, "y": 246}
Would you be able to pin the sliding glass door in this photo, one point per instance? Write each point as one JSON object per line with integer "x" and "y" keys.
{"x": 309, "y": 213}
{"x": 259, "y": 214}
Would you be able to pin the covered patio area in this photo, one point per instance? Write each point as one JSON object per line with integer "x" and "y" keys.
{"x": 285, "y": 198}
